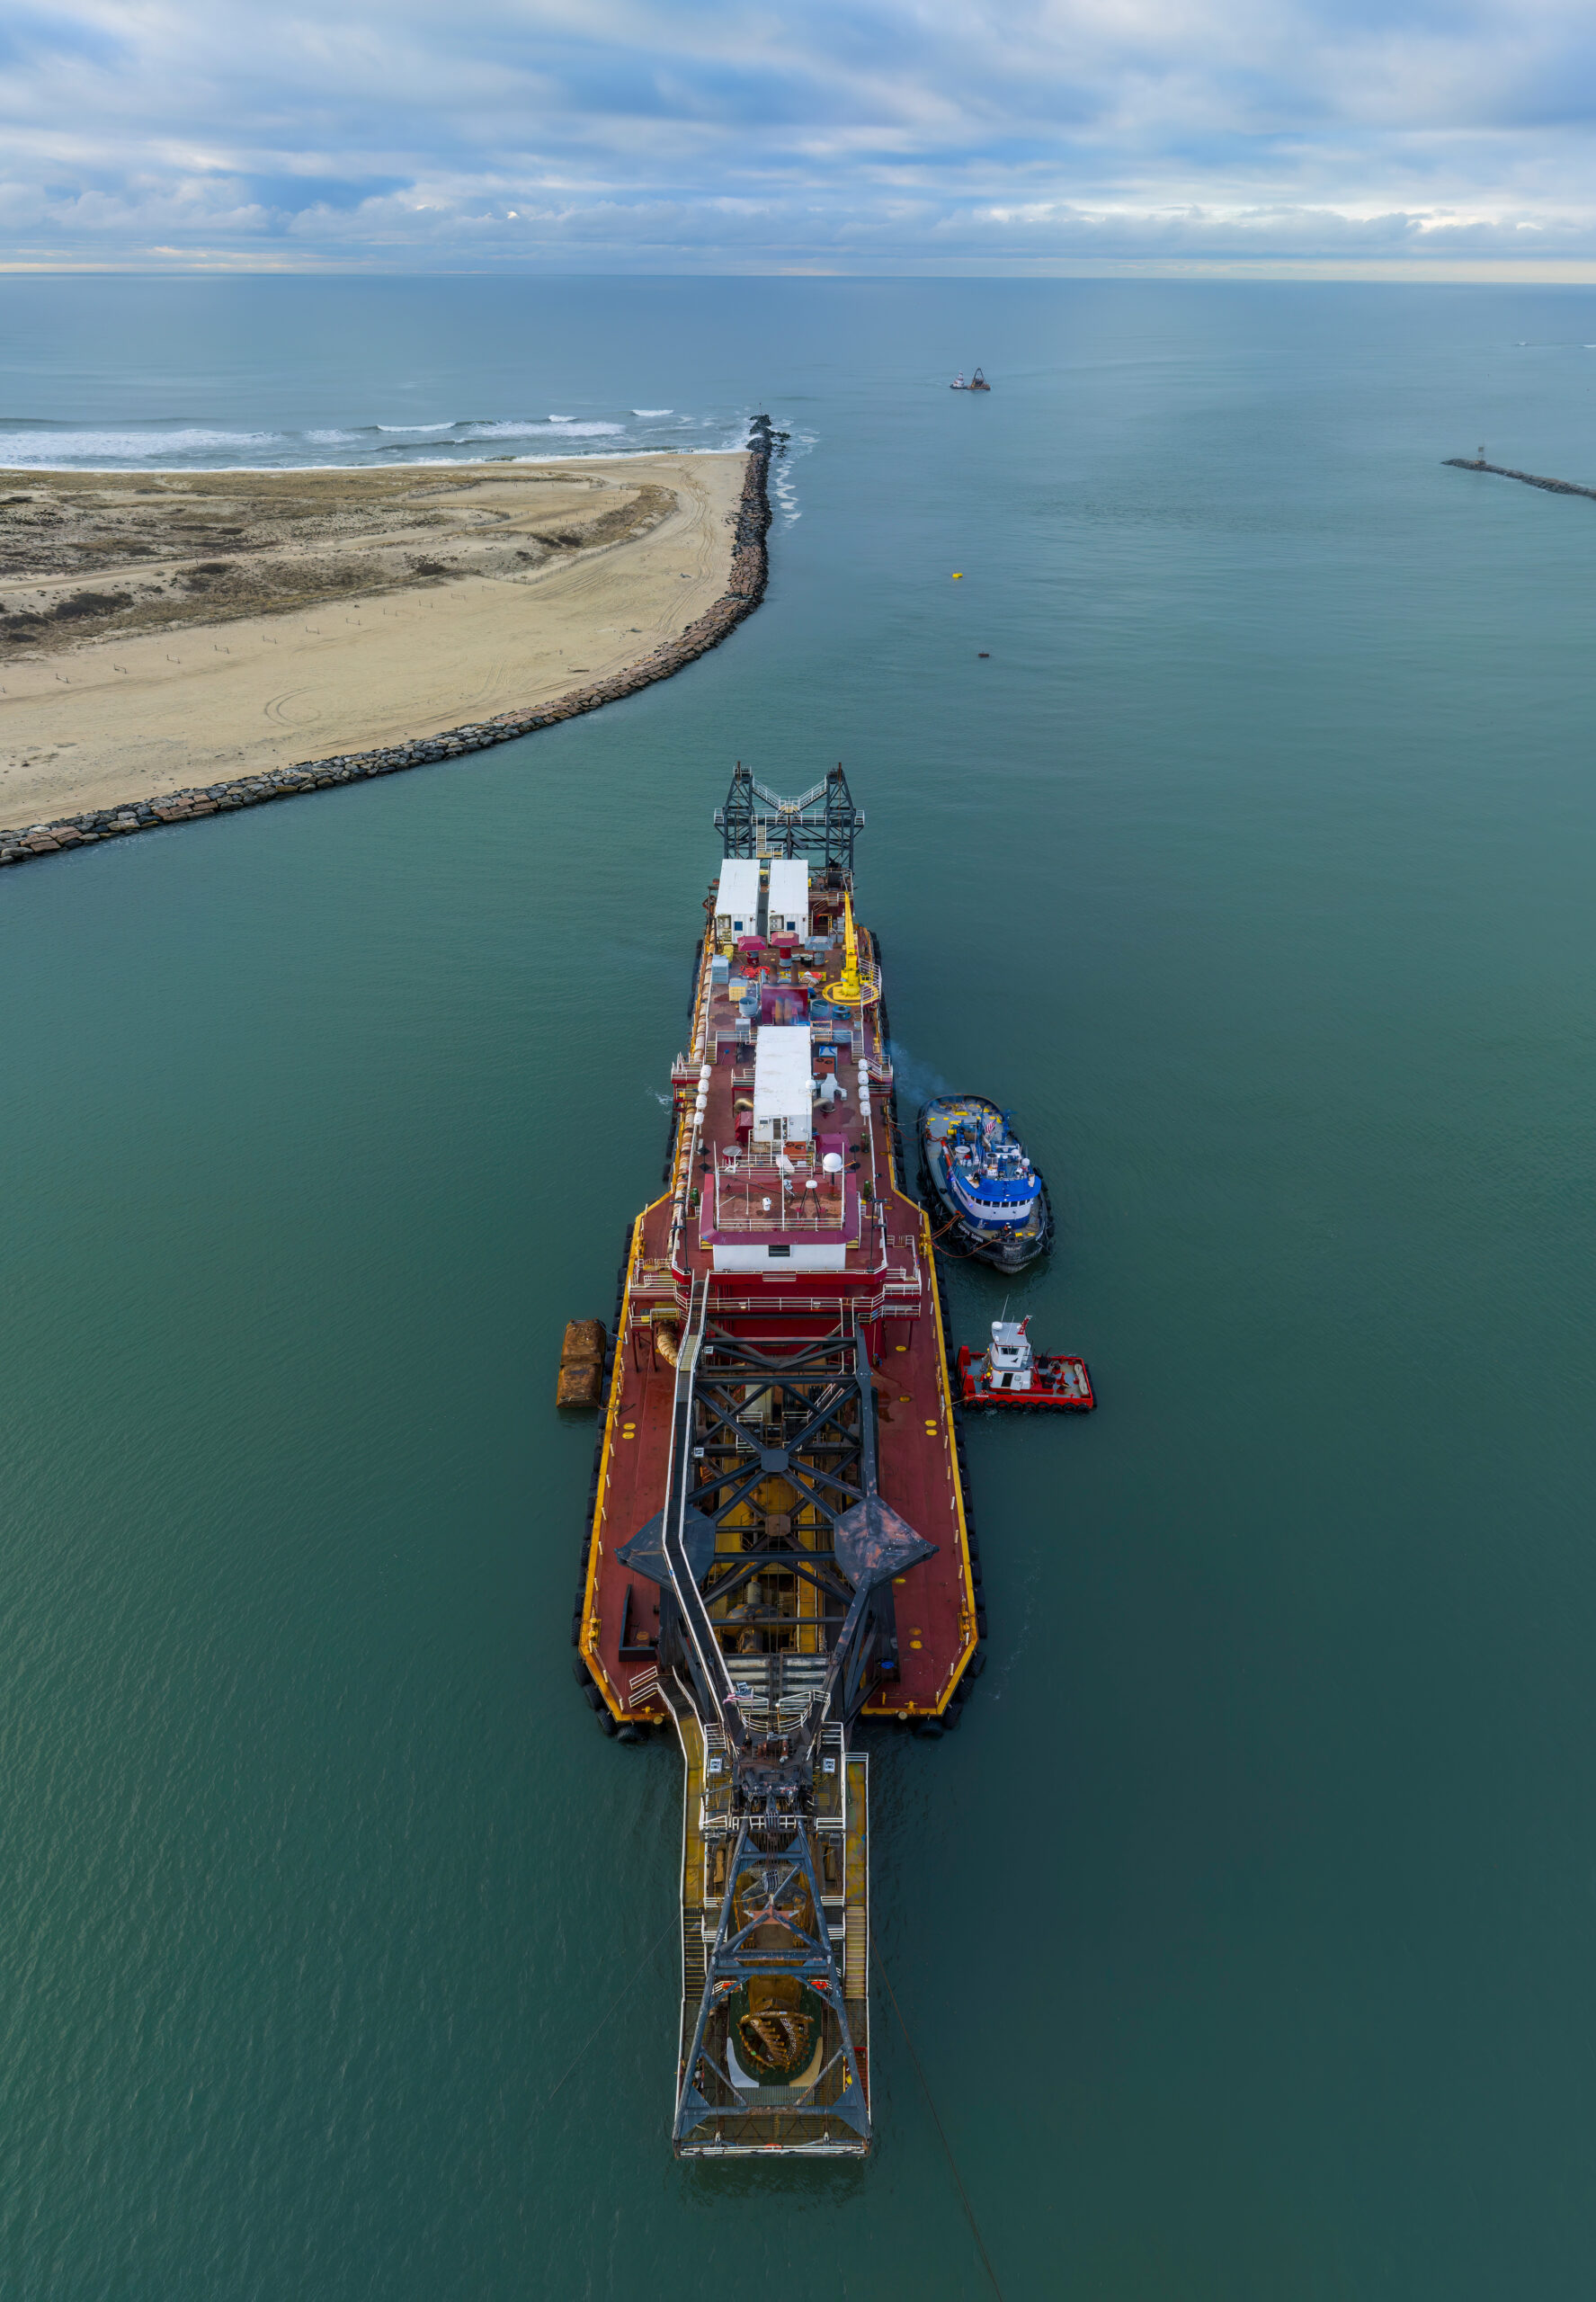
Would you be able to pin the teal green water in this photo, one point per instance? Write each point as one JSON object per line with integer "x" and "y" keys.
{"x": 1245, "y": 1930}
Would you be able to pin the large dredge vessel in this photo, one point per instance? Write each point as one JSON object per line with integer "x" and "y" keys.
{"x": 778, "y": 1546}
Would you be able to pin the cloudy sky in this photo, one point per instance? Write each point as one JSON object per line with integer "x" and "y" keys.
{"x": 878, "y": 136}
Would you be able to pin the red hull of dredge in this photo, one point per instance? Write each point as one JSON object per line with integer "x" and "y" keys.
{"x": 1061, "y": 1383}
{"x": 719, "y": 1229}
{"x": 778, "y": 1547}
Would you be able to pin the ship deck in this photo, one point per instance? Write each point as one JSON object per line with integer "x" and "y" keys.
{"x": 859, "y": 1251}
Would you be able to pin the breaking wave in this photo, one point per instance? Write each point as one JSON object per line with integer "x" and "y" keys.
{"x": 40, "y": 444}
{"x": 43, "y": 448}
{"x": 562, "y": 427}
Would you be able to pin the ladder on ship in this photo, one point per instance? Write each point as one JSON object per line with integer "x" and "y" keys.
{"x": 774, "y": 1690}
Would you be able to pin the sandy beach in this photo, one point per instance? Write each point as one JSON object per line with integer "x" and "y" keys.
{"x": 158, "y": 630}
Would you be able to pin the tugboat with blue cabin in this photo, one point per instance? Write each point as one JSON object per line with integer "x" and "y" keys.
{"x": 991, "y": 1202}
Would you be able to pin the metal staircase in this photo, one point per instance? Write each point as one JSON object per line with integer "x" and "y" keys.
{"x": 773, "y": 1692}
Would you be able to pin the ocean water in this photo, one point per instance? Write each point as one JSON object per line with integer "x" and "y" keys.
{"x": 1231, "y": 818}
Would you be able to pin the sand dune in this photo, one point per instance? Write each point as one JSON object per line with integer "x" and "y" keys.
{"x": 162, "y": 630}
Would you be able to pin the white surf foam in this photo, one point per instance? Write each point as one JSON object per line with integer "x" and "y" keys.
{"x": 42, "y": 449}
{"x": 565, "y": 429}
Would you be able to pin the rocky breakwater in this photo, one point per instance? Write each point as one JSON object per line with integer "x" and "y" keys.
{"x": 746, "y": 589}
{"x": 1505, "y": 471}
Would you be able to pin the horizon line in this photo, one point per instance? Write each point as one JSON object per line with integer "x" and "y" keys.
{"x": 1406, "y": 271}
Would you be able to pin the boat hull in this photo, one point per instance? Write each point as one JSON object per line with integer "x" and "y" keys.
{"x": 1010, "y": 1248}
{"x": 1061, "y": 1384}
{"x": 777, "y": 1549}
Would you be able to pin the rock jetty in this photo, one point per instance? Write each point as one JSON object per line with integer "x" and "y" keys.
{"x": 746, "y": 586}
{"x": 1529, "y": 478}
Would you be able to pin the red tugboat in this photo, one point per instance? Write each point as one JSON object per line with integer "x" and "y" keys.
{"x": 778, "y": 1548}
{"x": 1010, "y": 1373}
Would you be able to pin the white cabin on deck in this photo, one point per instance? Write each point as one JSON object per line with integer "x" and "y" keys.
{"x": 789, "y": 901}
{"x": 1010, "y": 1361}
{"x": 782, "y": 1083}
{"x": 737, "y": 900}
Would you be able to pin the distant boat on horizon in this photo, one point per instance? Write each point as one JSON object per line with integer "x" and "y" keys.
{"x": 978, "y": 383}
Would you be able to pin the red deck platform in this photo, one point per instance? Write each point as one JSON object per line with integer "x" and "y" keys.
{"x": 784, "y": 1247}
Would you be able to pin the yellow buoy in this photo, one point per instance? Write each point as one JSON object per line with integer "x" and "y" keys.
{"x": 958, "y": 575}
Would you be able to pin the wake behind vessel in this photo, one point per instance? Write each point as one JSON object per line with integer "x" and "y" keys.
{"x": 778, "y": 1547}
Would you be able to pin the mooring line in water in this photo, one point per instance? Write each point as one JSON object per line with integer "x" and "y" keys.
{"x": 614, "y": 2006}
{"x": 941, "y": 2133}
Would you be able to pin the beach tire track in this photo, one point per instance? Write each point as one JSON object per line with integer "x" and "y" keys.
{"x": 275, "y": 707}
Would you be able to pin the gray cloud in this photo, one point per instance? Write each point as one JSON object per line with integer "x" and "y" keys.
{"x": 884, "y": 134}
